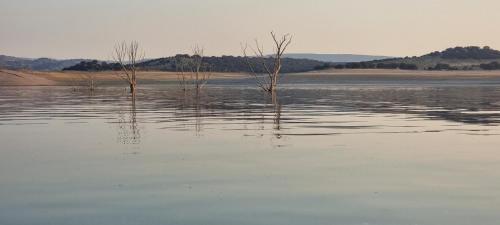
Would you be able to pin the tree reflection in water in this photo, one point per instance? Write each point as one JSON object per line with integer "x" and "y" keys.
{"x": 192, "y": 107}
{"x": 128, "y": 129}
{"x": 277, "y": 115}
{"x": 271, "y": 120}
{"x": 198, "y": 114}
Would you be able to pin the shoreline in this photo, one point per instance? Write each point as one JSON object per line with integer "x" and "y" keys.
{"x": 74, "y": 78}
{"x": 397, "y": 72}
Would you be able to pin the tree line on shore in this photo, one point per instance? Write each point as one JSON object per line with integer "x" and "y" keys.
{"x": 233, "y": 64}
{"x": 411, "y": 66}
{"x": 371, "y": 65}
{"x": 239, "y": 64}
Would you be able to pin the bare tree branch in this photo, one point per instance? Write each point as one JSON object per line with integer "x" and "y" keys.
{"x": 128, "y": 55}
{"x": 199, "y": 73}
{"x": 269, "y": 82}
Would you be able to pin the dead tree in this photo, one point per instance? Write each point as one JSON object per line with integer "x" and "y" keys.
{"x": 193, "y": 71}
{"x": 200, "y": 72}
{"x": 128, "y": 55}
{"x": 182, "y": 77}
{"x": 268, "y": 82}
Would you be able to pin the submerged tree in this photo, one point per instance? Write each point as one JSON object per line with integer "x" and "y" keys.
{"x": 192, "y": 71}
{"x": 128, "y": 55}
{"x": 90, "y": 79}
{"x": 128, "y": 128}
{"x": 201, "y": 72}
{"x": 180, "y": 65}
{"x": 270, "y": 64}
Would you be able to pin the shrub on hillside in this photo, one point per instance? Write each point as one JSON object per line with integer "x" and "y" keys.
{"x": 490, "y": 66}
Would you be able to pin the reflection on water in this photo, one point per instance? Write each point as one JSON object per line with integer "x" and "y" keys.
{"x": 128, "y": 130}
{"x": 277, "y": 114}
{"x": 465, "y": 105}
{"x": 312, "y": 154}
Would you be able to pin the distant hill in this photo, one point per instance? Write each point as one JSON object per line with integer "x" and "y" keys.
{"x": 458, "y": 58}
{"x": 41, "y": 64}
{"x": 212, "y": 63}
{"x": 336, "y": 58}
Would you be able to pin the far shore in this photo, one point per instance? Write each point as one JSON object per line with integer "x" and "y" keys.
{"x": 397, "y": 72}
{"x": 37, "y": 78}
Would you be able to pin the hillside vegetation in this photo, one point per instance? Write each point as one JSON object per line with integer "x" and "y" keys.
{"x": 213, "y": 63}
{"x": 458, "y": 58}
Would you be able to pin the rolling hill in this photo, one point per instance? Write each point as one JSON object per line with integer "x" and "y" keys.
{"x": 40, "y": 64}
{"x": 457, "y": 58}
{"x": 211, "y": 63}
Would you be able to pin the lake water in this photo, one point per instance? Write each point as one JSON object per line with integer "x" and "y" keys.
{"x": 326, "y": 150}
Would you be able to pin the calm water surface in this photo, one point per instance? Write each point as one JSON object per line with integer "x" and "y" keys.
{"x": 326, "y": 150}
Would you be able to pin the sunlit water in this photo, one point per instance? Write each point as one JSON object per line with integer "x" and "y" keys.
{"x": 324, "y": 151}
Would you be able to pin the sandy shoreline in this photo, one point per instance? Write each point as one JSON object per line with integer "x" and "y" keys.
{"x": 36, "y": 78}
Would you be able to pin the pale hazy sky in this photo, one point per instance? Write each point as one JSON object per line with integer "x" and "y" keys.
{"x": 90, "y": 28}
